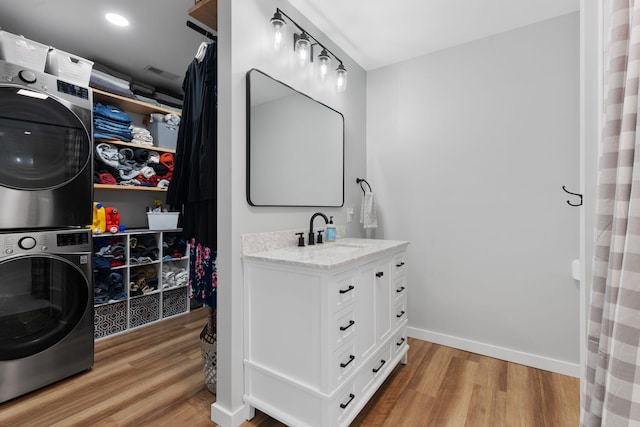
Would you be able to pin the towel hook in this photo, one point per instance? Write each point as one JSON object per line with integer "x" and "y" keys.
{"x": 360, "y": 181}
{"x": 573, "y": 194}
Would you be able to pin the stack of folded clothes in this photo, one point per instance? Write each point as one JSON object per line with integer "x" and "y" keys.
{"x": 107, "y": 79}
{"x": 143, "y": 280}
{"x": 108, "y": 285}
{"x": 141, "y": 136}
{"x": 131, "y": 166}
{"x": 173, "y": 247}
{"x": 166, "y": 97}
{"x": 110, "y": 122}
{"x": 174, "y": 275}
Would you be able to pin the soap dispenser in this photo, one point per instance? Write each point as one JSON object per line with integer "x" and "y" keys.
{"x": 330, "y": 233}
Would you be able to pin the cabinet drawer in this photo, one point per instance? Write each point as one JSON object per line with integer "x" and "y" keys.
{"x": 345, "y": 362}
{"x": 399, "y": 265}
{"x": 344, "y": 292}
{"x": 374, "y": 368}
{"x": 400, "y": 288}
{"x": 344, "y": 326}
{"x": 344, "y": 403}
{"x": 399, "y": 341}
{"x": 400, "y": 311}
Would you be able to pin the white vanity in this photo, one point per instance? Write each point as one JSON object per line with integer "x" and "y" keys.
{"x": 324, "y": 327}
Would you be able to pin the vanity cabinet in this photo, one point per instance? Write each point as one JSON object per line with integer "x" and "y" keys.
{"x": 139, "y": 278}
{"x": 320, "y": 340}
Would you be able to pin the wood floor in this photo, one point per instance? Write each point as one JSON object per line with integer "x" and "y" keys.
{"x": 153, "y": 377}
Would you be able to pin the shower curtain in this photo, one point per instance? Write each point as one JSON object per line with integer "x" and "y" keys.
{"x": 611, "y": 389}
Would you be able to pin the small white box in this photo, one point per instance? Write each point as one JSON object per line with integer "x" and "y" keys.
{"x": 69, "y": 67}
{"x": 163, "y": 220}
{"x": 22, "y": 51}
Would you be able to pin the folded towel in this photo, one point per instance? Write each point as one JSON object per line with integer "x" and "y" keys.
{"x": 368, "y": 216}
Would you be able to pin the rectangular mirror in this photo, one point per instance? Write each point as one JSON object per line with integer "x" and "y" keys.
{"x": 295, "y": 147}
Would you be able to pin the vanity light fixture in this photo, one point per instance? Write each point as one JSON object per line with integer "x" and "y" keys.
{"x": 278, "y": 29}
{"x": 303, "y": 43}
{"x": 325, "y": 61}
{"x": 303, "y": 48}
{"x": 341, "y": 78}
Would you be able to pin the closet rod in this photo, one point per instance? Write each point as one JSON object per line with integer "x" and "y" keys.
{"x": 201, "y": 30}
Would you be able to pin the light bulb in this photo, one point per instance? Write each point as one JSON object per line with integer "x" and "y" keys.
{"x": 303, "y": 48}
{"x": 325, "y": 61}
{"x": 278, "y": 28}
{"x": 341, "y": 78}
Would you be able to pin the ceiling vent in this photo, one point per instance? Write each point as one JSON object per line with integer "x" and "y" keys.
{"x": 162, "y": 73}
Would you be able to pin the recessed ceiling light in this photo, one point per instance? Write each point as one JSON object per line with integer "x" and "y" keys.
{"x": 116, "y": 19}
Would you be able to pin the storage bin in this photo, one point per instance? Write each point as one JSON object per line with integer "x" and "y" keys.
{"x": 69, "y": 67}
{"x": 163, "y": 220}
{"x": 165, "y": 135}
{"x": 22, "y": 51}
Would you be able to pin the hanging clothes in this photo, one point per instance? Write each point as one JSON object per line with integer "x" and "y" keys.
{"x": 193, "y": 185}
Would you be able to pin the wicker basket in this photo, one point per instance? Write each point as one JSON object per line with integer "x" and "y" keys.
{"x": 208, "y": 347}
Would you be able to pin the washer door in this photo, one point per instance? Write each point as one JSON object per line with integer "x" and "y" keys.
{"x": 44, "y": 144}
{"x": 42, "y": 299}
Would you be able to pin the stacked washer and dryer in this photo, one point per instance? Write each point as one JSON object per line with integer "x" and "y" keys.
{"x": 46, "y": 292}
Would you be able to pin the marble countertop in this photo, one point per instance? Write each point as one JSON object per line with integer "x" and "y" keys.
{"x": 329, "y": 255}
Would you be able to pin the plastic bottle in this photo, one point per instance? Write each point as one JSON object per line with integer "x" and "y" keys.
{"x": 99, "y": 219}
{"x": 330, "y": 232}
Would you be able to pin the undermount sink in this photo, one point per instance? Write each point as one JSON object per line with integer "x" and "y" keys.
{"x": 338, "y": 248}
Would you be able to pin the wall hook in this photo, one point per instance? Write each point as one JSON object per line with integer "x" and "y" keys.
{"x": 573, "y": 194}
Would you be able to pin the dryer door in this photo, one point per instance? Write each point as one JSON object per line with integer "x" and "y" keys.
{"x": 42, "y": 299}
{"x": 44, "y": 144}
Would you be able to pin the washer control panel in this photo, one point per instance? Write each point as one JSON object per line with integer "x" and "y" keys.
{"x": 54, "y": 241}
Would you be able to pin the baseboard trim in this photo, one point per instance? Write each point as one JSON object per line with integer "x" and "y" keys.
{"x": 515, "y": 356}
{"x": 224, "y": 418}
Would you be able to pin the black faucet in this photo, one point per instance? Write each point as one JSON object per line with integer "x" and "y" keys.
{"x": 326, "y": 221}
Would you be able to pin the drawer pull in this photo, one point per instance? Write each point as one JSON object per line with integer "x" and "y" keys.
{"x": 380, "y": 274}
{"x": 382, "y": 362}
{"x": 351, "y": 397}
{"x": 400, "y": 289}
{"x": 399, "y": 315}
{"x": 400, "y": 342}
{"x": 349, "y": 289}
{"x": 351, "y": 359}
{"x": 400, "y": 265}
{"x": 351, "y": 323}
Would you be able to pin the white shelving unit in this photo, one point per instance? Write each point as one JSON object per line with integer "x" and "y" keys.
{"x": 169, "y": 298}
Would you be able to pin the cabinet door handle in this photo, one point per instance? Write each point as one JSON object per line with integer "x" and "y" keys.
{"x": 382, "y": 362}
{"x": 400, "y": 265}
{"x": 400, "y": 289}
{"x": 400, "y": 342}
{"x": 351, "y": 359}
{"x": 351, "y": 323}
{"x": 399, "y": 315}
{"x": 379, "y": 274}
{"x": 349, "y": 289}
{"x": 351, "y": 397}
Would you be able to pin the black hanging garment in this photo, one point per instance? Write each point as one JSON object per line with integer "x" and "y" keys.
{"x": 193, "y": 185}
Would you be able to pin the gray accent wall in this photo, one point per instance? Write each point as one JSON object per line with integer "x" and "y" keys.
{"x": 467, "y": 151}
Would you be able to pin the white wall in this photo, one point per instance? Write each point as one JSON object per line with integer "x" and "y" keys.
{"x": 244, "y": 37}
{"x": 467, "y": 151}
